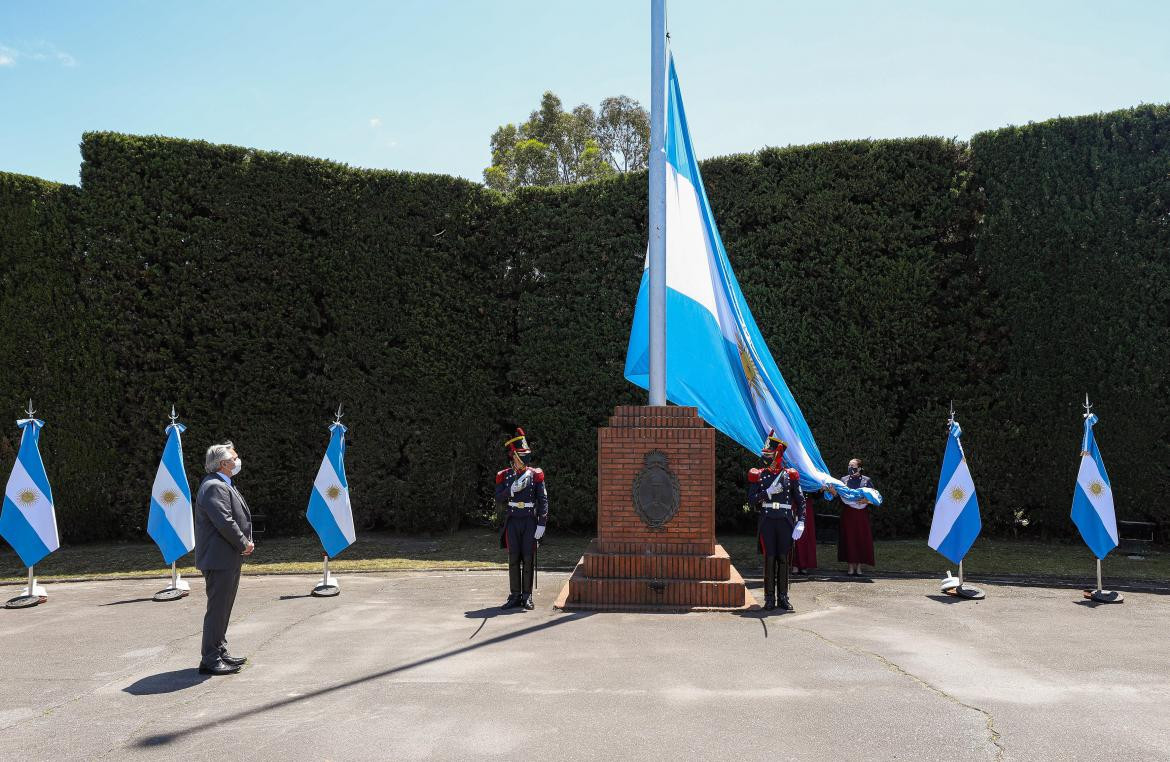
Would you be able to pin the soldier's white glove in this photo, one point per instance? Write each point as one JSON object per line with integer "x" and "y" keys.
{"x": 539, "y": 532}
{"x": 522, "y": 482}
{"x": 774, "y": 487}
{"x": 798, "y": 530}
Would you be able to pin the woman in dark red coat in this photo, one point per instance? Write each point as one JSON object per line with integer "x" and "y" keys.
{"x": 804, "y": 550}
{"x": 855, "y": 546}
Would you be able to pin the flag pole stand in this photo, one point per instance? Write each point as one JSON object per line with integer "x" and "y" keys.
{"x": 32, "y": 595}
{"x": 328, "y": 586}
{"x": 179, "y": 587}
{"x": 1103, "y": 596}
{"x": 955, "y": 586}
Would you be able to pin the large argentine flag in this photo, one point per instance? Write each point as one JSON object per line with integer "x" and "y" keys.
{"x": 716, "y": 358}
{"x": 170, "y": 522}
{"x": 1092, "y": 508}
{"x": 329, "y": 510}
{"x": 28, "y": 522}
{"x": 956, "y": 521}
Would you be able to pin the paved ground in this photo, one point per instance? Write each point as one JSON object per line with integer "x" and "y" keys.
{"x": 421, "y": 665}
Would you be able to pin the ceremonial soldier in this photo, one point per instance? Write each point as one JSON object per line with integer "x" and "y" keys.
{"x": 522, "y": 499}
{"x": 775, "y": 492}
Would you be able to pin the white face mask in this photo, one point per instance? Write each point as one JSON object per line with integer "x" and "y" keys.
{"x": 237, "y": 465}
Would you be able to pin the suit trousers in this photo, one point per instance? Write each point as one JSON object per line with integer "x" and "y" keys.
{"x": 221, "y": 585}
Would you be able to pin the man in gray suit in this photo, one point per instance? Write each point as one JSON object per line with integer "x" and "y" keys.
{"x": 223, "y": 536}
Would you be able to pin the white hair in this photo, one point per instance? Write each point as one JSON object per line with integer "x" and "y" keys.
{"x": 215, "y": 454}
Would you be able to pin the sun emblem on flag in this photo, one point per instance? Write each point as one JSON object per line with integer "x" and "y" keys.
{"x": 333, "y": 492}
{"x": 27, "y": 497}
{"x": 957, "y": 494}
{"x": 169, "y": 496}
{"x": 750, "y": 371}
{"x": 1096, "y": 488}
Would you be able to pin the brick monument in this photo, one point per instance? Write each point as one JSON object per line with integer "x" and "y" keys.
{"x": 655, "y": 546}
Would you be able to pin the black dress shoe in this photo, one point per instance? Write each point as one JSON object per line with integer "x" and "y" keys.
{"x": 512, "y": 602}
{"x": 218, "y": 667}
{"x": 785, "y": 604}
{"x": 233, "y": 661}
{"x": 526, "y": 603}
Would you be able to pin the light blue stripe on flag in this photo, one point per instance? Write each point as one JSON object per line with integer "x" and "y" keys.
{"x": 716, "y": 358}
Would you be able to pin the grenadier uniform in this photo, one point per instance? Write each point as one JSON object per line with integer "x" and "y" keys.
{"x": 774, "y": 491}
{"x": 522, "y": 500}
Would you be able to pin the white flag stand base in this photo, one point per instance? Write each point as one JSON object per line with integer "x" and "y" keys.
{"x": 1103, "y": 596}
{"x": 328, "y": 586}
{"x": 179, "y": 587}
{"x": 954, "y": 586}
{"x": 32, "y": 595}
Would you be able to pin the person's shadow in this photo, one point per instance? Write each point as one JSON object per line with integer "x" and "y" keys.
{"x": 489, "y": 613}
{"x": 166, "y": 682}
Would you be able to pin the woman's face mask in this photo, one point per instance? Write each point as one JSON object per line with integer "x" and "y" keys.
{"x": 855, "y": 470}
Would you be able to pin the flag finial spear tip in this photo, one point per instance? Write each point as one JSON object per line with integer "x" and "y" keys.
{"x": 174, "y": 416}
{"x": 30, "y": 409}
{"x": 337, "y": 415}
{"x": 1088, "y": 406}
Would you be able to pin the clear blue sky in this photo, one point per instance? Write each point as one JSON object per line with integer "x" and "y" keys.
{"x": 420, "y": 85}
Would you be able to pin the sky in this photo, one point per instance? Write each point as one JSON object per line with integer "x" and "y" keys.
{"x": 420, "y": 85}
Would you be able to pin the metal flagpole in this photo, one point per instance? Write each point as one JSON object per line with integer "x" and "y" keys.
{"x": 657, "y": 282}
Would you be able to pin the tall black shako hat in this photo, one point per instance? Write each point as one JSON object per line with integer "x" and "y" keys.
{"x": 774, "y": 447}
{"x": 518, "y": 445}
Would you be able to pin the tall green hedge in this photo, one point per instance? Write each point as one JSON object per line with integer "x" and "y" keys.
{"x": 1076, "y": 240}
{"x": 256, "y": 290}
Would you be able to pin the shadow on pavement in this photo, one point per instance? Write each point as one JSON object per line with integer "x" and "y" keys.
{"x": 166, "y": 682}
{"x": 128, "y": 600}
{"x": 165, "y": 738}
{"x": 947, "y": 599}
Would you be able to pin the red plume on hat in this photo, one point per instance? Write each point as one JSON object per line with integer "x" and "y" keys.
{"x": 774, "y": 446}
{"x": 518, "y": 445}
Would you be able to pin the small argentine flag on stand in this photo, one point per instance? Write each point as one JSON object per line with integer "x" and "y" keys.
{"x": 1092, "y": 506}
{"x": 170, "y": 523}
{"x": 956, "y": 521}
{"x": 28, "y": 521}
{"x": 329, "y": 509}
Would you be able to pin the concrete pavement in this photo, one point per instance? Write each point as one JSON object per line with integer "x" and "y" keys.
{"x": 423, "y": 665}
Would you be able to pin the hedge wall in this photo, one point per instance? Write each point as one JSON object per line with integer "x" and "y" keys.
{"x": 1076, "y": 239}
{"x": 257, "y": 290}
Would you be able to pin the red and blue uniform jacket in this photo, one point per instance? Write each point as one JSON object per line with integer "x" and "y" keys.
{"x": 760, "y": 479}
{"x": 532, "y": 500}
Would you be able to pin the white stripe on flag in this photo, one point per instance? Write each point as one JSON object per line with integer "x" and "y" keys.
{"x": 1100, "y": 494}
{"x": 32, "y": 503}
{"x": 328, "y": 485}
{"x": 175, "y": 505}
{"x": 958, "y": 492}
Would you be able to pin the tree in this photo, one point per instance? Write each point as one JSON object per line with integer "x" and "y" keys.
{"x": 558, "y": 147}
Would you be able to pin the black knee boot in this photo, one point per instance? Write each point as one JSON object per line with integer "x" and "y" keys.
{"x": 769, "y": 582}
{"x": 513, "y": 582}
{"x": 529, "y": 571}
{"x": 782, "y": 583}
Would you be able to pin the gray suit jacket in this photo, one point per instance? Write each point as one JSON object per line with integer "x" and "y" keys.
{"x": 223, "y": 524}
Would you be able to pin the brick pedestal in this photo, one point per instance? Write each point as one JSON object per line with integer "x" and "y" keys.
{"x": 634, "y": 563}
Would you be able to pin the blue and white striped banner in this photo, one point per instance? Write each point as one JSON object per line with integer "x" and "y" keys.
{"x": 170, "y": 523}
{"x": 329, "y": 509}
{"x": 28, "y": 521}
{"x": 956, "y": 521}
{"x": 1092, "y": 507}
{"x": 716, "y": 358}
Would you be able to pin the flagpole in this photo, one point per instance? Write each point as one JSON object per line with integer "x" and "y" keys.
{"x": 657, "y": 280}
